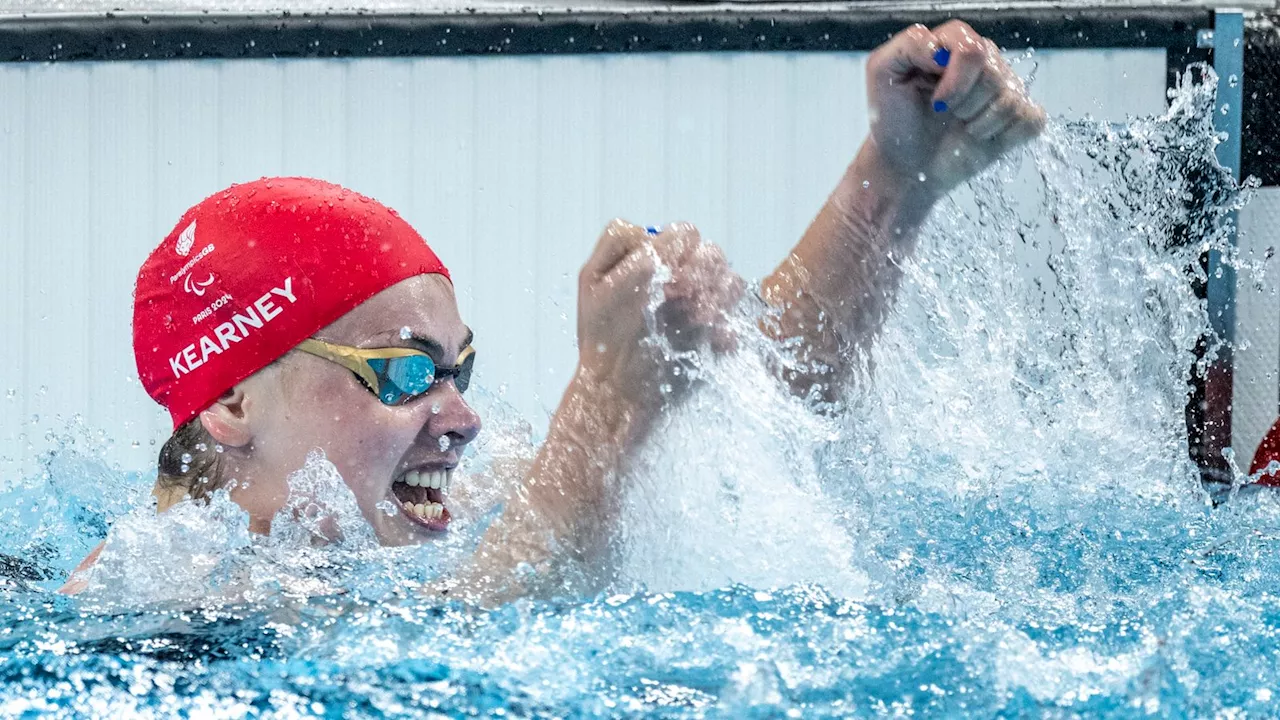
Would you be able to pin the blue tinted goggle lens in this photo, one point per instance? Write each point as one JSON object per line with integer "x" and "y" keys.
{"x": 403, "y": 377}
{"x": 413, "y": 374}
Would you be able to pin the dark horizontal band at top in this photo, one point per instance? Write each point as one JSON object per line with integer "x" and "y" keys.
{"x": 188, "y": 36}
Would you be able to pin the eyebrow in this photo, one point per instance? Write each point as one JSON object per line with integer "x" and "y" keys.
{"x": 431, "y": 345}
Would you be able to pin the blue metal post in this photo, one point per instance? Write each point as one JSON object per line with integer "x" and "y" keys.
{"x": 1228, "y": 63}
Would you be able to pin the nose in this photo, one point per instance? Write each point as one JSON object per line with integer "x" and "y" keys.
{"x": 451, "y": 416}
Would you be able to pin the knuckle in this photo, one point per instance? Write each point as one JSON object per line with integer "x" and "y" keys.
{"x": 950, "y": 26}
{"x": 619, "y": 231}
{"x": 916, "y": 32}
{"x": 687, "y": 229}
{"x": 970, "y": 51}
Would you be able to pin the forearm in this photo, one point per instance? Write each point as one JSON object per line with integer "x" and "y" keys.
{"x": 592, "y": 433}
{"x": 555, "y": 527}
{"x": 833, "y": 290}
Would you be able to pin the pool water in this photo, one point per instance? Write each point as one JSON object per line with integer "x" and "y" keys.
{"x": 1002, "y": 522}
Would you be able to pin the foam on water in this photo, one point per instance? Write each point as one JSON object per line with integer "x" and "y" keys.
{"x": 1004, "y": 520}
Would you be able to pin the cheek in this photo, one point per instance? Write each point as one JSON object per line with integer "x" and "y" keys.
{"x": 362, "y": 438}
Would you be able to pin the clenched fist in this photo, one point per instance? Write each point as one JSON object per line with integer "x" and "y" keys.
{"x": 945, "y": 104}
{"x": 645, "y": 301}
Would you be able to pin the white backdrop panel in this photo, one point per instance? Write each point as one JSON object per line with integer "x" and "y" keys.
{"x": 508, "y": 165}
{"x": 1255, "y": 396}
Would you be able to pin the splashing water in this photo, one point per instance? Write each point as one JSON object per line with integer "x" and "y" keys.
{"x": 1003, "y": 521}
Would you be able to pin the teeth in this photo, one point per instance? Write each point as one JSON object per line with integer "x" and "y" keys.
{"x": 426, "y": 511}
{"x": 439, "y": 480}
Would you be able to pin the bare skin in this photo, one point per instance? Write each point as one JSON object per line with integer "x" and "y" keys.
{"x": 831, "y": 292}
{"x": 835, "y": 287}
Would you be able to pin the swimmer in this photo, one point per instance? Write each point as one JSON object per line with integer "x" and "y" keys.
{"x": 289, "y": 314}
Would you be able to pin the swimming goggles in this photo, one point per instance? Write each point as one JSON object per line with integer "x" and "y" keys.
{"x": 394, "y": 375}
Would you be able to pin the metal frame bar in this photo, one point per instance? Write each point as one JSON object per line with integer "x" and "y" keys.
{"x": 797, "y": 27}
{"x": 1228, "y": 43}
{"x": 1228, "y": 63}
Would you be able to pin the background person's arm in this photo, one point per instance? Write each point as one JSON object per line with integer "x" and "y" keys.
{"x": 944, "y": 105}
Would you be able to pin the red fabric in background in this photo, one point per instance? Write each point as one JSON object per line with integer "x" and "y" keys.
{"x": 1268, "y": 450}
{"x": 252, "y": 271}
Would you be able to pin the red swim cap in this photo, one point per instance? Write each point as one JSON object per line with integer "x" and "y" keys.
{"x": 252, "y": 271}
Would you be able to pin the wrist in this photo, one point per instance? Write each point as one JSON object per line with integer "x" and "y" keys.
{"x": 881, "y": 189}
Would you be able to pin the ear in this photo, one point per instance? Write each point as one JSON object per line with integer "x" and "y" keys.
{"x": 225, "y": 419}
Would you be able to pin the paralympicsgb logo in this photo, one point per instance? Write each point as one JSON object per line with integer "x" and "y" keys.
{"x": 186, "y": 240}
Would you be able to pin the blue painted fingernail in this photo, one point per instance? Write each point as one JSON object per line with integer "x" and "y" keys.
{"x": 942, "y": 56}
{"x": 654, "y": 229}
{"x": 939, "y": 106}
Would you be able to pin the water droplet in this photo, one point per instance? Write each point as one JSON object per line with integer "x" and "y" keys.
{"x": 186, "y": 458}
{"x": 35, "y": 419}
{"x": 11, "y": 394}
{"x": 922, "y": 177}
{"x": 1233, "y": 80}
{"x": 218, "y": 448}
{"x": 444, "y": 442}
{"x": 201, "y": 447}
{"x": 866, "y": 184}
{"x": 186, "y": 468}
{"x": 44, "y": 389}
{"x": 435, "y": 408}
{"x": 405, "y": 333}
{"x": 601, "y": 348}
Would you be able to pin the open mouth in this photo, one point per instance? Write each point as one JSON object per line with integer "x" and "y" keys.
{"x": 421, "y": 496}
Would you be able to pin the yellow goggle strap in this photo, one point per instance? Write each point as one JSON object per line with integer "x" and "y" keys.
{"x": 355, "y": 359}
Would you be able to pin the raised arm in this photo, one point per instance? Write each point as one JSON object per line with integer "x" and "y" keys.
{"x": 556, "y": 527}
{"x": 944, "y": 105}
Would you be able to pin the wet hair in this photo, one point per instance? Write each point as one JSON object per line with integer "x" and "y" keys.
{"x": 189, "y": 462}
